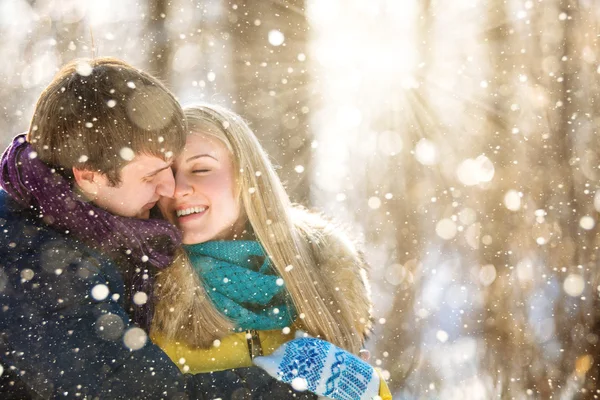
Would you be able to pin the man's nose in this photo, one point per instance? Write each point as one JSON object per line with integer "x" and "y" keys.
{"x": 166, "y": 184}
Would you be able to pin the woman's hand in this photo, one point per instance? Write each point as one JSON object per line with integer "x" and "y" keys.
{"x": 322, "y": 368}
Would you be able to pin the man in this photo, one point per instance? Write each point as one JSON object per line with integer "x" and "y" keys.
{"x": 78, "y": 252}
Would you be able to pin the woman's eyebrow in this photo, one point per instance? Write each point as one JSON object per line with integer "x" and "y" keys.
{"x": 199, "y": 156}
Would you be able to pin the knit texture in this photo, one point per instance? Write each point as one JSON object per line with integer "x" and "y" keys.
{"x": 242, "y": 284}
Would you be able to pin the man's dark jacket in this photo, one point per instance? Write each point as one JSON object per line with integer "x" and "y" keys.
{"x": 64, "y": 331}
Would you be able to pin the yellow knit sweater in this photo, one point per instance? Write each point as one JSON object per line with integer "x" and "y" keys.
{"x": 231, "y": 352}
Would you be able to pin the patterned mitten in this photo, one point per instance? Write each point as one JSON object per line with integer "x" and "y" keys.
{"x": 322, "y": 368}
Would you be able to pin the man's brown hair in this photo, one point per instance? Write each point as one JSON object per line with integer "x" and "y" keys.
{"x": 96, "y": 114}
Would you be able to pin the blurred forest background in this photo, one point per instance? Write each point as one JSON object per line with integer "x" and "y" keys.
{"x": 457, "y": 139}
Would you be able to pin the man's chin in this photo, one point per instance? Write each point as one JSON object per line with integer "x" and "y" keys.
{"x": 144, "y": 214}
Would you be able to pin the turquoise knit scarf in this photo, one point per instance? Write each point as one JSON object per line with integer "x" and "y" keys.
{"x": 242, "y": 284}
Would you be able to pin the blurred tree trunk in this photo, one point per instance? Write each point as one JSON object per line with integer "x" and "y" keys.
{"x": 70, "y": 41}
{"x": 576, "y": 145}
{"x": 562, "y": 195}
{"x": 157, "y": 42}
{"x": 564, "y": 151}
{"x": 507, "y": 355}
{"x": 539, "y": 247}
{"x": 272, "y": 82}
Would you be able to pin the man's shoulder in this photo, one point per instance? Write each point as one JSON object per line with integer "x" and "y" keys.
{"x": 21, "y": 228}
{"x": 9, "y": 208}
{"x": 35, "y": 254}
{"x": 23, "y": 231}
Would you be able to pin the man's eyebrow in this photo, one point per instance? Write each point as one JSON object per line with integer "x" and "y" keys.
{"x": 158, "y": 170}
{"x": 199, "y": 156}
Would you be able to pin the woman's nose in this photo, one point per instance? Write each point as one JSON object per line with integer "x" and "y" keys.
{"x": 182, "y": 187}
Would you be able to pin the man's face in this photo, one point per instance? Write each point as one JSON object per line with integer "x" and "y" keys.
{"x": 143, "y": 181}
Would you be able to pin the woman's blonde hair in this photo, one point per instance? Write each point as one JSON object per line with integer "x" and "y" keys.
{"x": 321, "y": 309}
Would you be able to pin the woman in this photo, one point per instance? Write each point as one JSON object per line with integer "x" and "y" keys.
{"x": 254, "y": 268}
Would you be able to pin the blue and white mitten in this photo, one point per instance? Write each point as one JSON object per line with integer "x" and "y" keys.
{"x": 322, "y": 368}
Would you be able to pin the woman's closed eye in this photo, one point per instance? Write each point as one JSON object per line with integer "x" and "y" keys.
{"x": 200, "y": 170}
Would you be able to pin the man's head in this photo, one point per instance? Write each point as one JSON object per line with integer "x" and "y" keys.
{"x": 113, "y": 129}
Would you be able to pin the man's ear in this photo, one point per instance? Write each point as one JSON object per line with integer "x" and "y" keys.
{"x": 86, "y": 180}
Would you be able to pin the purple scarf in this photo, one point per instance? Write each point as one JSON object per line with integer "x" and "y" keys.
{"x": 143, "y": 243}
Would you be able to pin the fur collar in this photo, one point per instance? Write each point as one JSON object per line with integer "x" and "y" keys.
{"x": 341, "y": 262}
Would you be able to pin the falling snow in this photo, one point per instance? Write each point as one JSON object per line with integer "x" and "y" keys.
{"x": 100, "y": 292}
{"x": 574, "y": 285}
{"x": 459, "y": 151}
{"x": 135, "y": 338}
{"x": 299, "y": 384}
{"x": 140, "y": 298}
{"x": 83, "y": 68}
{"x": 276, "y": 37}
{"x": 126, "y": 154}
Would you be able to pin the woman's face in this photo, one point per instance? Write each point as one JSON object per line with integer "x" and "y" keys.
{"x": 204, "y": 205}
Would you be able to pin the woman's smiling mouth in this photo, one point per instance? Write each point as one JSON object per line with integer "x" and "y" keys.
{"x": 189, "y": 211}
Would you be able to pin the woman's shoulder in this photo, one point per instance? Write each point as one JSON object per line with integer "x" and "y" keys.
{"x": 328, "y": 238}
